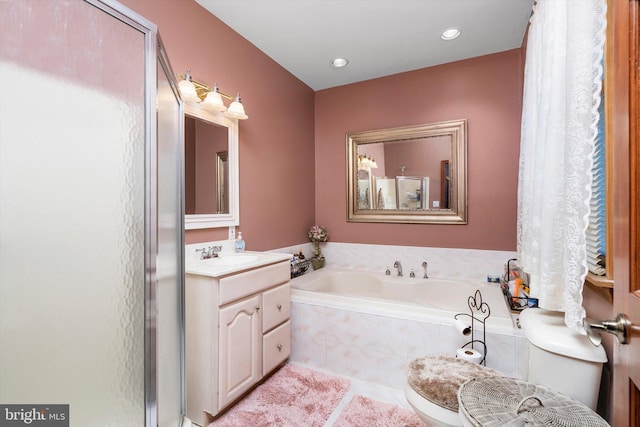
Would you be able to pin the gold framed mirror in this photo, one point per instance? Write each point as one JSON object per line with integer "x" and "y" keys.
{"x": 412, "y": 174}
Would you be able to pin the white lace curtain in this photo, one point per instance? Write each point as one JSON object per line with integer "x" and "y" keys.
{"x": 562, "y": 85}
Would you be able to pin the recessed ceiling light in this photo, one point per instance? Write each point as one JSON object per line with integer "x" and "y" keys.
{"x": 450, "y": 34}
{"x": 339, "y": 62}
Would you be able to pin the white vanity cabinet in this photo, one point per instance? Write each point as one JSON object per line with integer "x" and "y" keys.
{"x": 237, "y": 331}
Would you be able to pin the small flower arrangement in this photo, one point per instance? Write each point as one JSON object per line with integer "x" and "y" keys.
{"x": 318, "y": 234}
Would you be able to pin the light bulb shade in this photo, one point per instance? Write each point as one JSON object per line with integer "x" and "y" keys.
{"x": 236, "y": 109}
{"x": 213, "y": 102}
{"x": 188, "y": 90}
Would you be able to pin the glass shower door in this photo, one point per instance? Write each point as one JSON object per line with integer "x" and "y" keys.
{"x": 90, "y": 243}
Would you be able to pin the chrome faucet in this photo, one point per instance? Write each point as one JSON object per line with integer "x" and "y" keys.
{"x": 211, "y": 252}
{"x": 425, "y": 265}
{"x": 399, "y": 267}
{"x": 203, "y": 253}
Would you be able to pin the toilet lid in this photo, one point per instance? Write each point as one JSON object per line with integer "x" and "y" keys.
{"x": 501, "y": 401}
{"x": 438, "y": 378}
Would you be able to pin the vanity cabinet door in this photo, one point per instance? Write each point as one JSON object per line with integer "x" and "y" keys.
{"x": 240, "y": 348}
{"x": 276, "y": 306}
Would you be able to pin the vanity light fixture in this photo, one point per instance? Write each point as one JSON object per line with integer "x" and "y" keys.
{"x": 450, "y": 34}
{"x": 236, "y": 109}
{"x": 339, "y": 62}
{"x": 213, "y": 100}
{"x": 188, "y": 88}
{"x": 366, "y": 163}
{"x": 210, "y": 97}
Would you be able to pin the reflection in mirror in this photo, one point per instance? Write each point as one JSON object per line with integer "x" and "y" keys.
{"x": 411, "y": 193}
{"x": 414, "y": 174}
{"x": 386, "y": 193}
{"x": 205, "y": 174}
{"x": 211, "y": 165}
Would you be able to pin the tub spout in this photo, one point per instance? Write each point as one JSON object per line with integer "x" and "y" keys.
{"x": 399, "y": 267}
{"x": 425, "y": 265}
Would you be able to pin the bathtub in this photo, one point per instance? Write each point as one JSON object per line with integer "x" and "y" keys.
{"x": 430, "y": 299}
{"x": 369, "y": 326}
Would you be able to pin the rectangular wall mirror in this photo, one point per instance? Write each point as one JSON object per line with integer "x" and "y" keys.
{"x": 210, "y": 169}
{"x": 413, "y": 174}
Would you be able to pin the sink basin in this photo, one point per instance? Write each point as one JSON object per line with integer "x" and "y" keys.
{"x": 232, "y": 260}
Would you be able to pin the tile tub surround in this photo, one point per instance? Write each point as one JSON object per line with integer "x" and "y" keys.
{"x": 446, "y": 263}
{"x": 377, "y": 348}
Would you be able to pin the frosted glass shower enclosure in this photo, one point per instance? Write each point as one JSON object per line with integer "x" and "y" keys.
{"x": 91, "y": 230}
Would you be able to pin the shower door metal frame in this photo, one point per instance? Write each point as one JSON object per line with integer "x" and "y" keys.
{"x": 153, "y": 52}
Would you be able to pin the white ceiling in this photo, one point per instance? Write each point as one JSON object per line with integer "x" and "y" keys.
{"x": 378, "y": 37}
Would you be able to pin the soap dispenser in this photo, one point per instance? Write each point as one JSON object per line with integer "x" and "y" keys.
{"x": 240, "y": 243}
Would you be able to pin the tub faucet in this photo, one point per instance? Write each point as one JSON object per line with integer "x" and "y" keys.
{"x": 399, "y": 267}
{"x": 425, "y": 265}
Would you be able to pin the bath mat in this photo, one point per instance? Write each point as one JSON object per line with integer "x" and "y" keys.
{"x": 362, "y": 411}
{"x": 294, "y": 396}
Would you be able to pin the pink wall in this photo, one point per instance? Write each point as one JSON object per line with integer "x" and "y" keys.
{"x": 276, "y": 143}
{"x": 289, "y": 126}
{"x": 487, "y": 91}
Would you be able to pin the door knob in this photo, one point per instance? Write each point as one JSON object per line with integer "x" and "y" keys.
{"x": 620, "y": 327}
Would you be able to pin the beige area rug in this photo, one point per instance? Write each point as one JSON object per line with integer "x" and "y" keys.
{"x": 362, "y": 411}
{"x": 293, "y": 397}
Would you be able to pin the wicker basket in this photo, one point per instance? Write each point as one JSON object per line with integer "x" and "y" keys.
{"x": 501, "y": 401}
{"x": 299, "y": 266}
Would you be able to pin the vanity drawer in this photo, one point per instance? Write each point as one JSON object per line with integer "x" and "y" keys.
{"x": 241, "y": 285}
{"x": 276, "y": 347}
{"x": 276, "y": 306}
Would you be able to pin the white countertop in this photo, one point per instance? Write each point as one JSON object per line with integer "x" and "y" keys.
{"x": 232, "y": 263}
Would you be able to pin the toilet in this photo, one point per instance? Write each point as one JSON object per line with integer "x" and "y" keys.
{"x": 558, "y": 358}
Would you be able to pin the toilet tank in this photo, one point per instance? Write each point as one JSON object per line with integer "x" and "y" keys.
{"x": 560, "y": 358}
